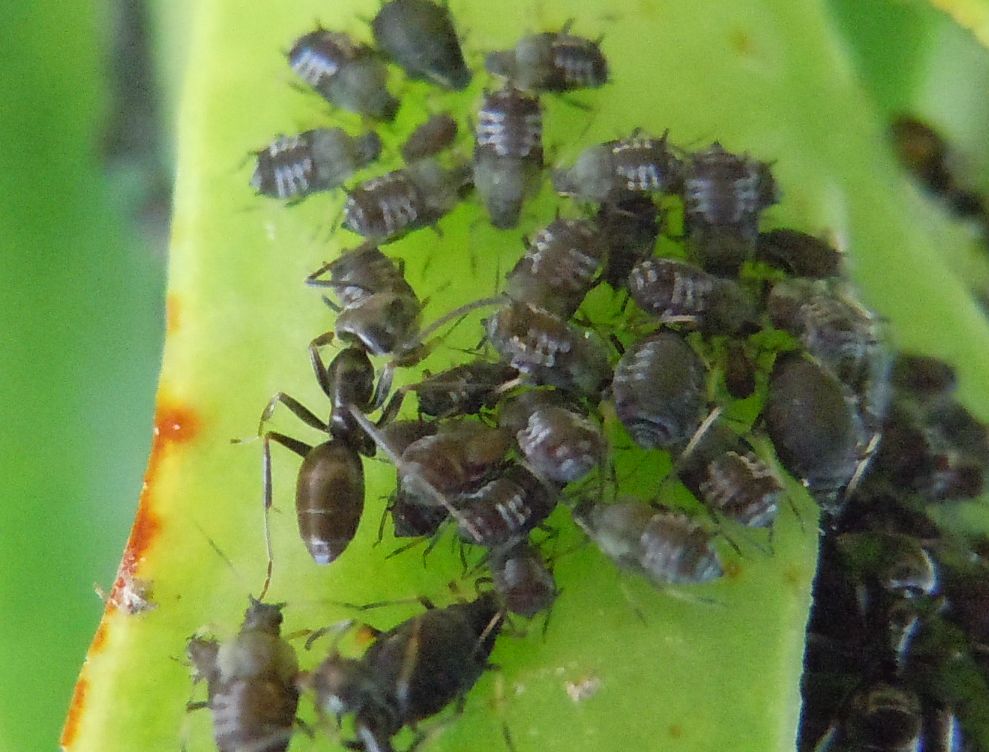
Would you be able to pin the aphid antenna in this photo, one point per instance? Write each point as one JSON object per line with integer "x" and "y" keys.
{"x": 340, "y": 629}
{"x": 705, "y": 426}
{"x": 382, "y": 443}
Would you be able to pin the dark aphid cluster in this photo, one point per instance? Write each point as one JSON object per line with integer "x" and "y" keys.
{"x": 713, "y": 317}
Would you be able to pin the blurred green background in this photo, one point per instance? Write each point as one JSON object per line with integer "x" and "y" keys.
{"x": 89, "y": 93}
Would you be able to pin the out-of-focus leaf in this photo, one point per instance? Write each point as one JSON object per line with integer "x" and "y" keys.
{"x": 969, "y": 14}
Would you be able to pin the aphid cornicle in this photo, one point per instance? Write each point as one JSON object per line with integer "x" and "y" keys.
{"x": 508, "y": 153}
{"x": 548, "y": 349}
{"x": 619, "y": 170}
{"x": 551, "y": 61}
{"x": 345, "y": 73}
{"x": 250, "y": 683}
{"x": 419, "y": 36}
{"x": 410, "y": 672}
{"x": 292, "y": 167}
{"x": 675, "y": 291}
{"x": 664, "y": 546}
{"x": 659, "y": 390}
{"x": 522, "y": 580}
{"x": 722, "y": 470}
{"x": 817, "y": 432}
{"x": 559, "y": 267}
{"x": 387, "y": 207}
{"x": 430, "y": 138}
{"x": 505, "y": 509}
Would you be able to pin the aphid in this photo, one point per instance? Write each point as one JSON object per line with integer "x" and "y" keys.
{"x": 548, "y": 349}
{"x": 508, "y": 153}
{"x": 725, "y": 189}
{"x": 430, "y": 138}
{"x": 559, "y": 266}
{"x": 619, "y": 170}
{"x": 630, "y": 228}
{"x": 522, "y": 580}
{"x": 841, "y": 334}
{"x": 250, "y": 683}
{"x": 551, "y": 61}
{"x": 798, "y": 253}
{"x": 419, "y": 36}
{"x": 411, "y": 672}
{"x": 462, "y": 390}
{"x": 664, "y": 546}
{"x": 675, "y": 291}
{"x": 387, "y": 207}
{"x": 723, "y": 195}
{"x": 881, "y": 717}
{"x": 345, "y": 73}
{"x": 721, "y": 469}
{"x": 818, "y": 434}
{"x": 329, "y": 496}
{"x": 410, "y": 517}
{"x": 514, "y": 412}
{"x": 922, "y": 376}
{"x": 359, "y": 273}
{"x": 659, "y": 390}
{"x": 505, "y": 509}
{"x": 460, "y": 455}
{"x": 739, "y": 370}
{"x": 292, "y": 167}
{"x": 561, "y": 445}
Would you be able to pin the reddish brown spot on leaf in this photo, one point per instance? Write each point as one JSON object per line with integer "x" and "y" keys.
{"x": 75, "y": 713}
{"x": 174, "y": 424}
{"x": 99, "y": 639}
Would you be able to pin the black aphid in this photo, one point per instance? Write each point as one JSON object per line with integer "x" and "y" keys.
{"x": 559, "y": 267}
{"x": 508, "y": 153}
{"x": 430, "y": 138}
{"x": 560, "y": 444}
{"x": 505, "y": 509}
{"x": 522, "y": 580}
{"x": 630, "y": 228}
{"x": 665, "y": 546}
{"x": 410, "y": 672}
{"x": 548, "y": 349}
{"x": 618, "y": 170}
{"x": 344, "y": 72}
{"x": 551, "y": 61}
{"x": 798, "y": 253}
{"x": 387, "y": 207}
{"x": 292, "y": 167}
{"x": 462, "y": 390}
{"x": 659, "y": 390}
{"x": 250, "y": 683}
{"x": 814, "y": 425}
{"x": 678, "y": 292}
{"x": 420, "y": 37}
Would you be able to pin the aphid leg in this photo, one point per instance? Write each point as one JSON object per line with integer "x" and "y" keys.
{"x": 318, "y": 366}
{"x": 301, "y": 449}
{"x": 297, "y": 408}
{"x": 371, "y": 430}
{"x": 340, "y": 628}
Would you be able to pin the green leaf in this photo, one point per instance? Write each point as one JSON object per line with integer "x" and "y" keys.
{"x": 769, "y": 78}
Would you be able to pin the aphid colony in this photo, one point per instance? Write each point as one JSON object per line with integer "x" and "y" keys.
{"x": 538, "y": 416}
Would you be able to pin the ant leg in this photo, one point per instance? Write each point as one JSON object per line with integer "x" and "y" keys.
{"x": 318, "y": 366}
{"x": 301, "y": 412}
{"x": 301, "y": 449}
